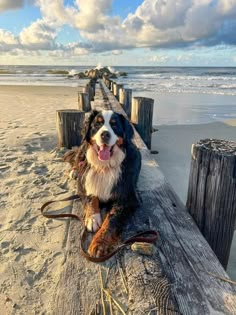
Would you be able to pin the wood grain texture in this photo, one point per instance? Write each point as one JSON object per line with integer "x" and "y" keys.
{"x": 69, "y": 126}
{"x": 172, "y": 281}
{"x": 118, "y": 88}
{"x": 125, "y": 99}
{"x": 141, "y": 117}
{"x": 114, "y": 88}
{"x": 84, "y": 102}
{"x": 212, "y": 193}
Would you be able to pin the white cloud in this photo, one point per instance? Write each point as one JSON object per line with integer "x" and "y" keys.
{"x": 117, "y": 52}
{"x": 55, "y": 12}
{"x": 169, "y": 23}
{"x": 7, "y": 40}
{"x": 10, "y": 4}
{"x": 163, "y": 14}
{"x": 92, "y": 14}
{"x": 154, "y": 24}
{"x": 159, "y": 59}
{"x": 39, "y": 35}
{"x": 89, "y": 15}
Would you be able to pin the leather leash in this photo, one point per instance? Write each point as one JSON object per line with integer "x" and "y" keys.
{"x": 149, "y": 236}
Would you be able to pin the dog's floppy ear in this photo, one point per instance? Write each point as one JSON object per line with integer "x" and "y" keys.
{"x": 128, "y": 129}
{"x": 87, "y": 124}
{"x": 69, "y": 156}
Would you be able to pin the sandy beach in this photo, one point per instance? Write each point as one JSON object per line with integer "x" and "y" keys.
{"x": 32, "y": 248}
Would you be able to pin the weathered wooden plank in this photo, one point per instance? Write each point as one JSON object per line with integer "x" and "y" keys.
{"x": 172, "y": 281}
{"x": 77, "y": 291}
{"x": 212, "y": 193}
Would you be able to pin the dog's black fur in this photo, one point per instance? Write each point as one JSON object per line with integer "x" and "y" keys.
{"x": 123, "y": 198}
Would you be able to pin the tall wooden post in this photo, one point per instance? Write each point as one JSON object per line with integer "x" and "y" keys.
{"x": 141, "y": 117}
{"x": 125, "y": 98}
{"x": 117, "y": 91}
{"x": 111, "y": 85}
{"x": 108, "y": 81}
{"x": 69, "y": 126}
{"x": 92, "y": 85}
{"x": 86, "y": 90}
{"x": 212, "y": 193}
{"x": 84, "y": 102}
{"x": 114, "y": 88}
{"x": 90, "y": 91}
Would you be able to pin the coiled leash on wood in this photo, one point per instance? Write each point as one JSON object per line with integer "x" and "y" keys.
{"x": 149, "y": 236}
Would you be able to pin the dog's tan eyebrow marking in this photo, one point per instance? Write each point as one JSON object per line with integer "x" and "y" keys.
{"x": 100, "y": 119}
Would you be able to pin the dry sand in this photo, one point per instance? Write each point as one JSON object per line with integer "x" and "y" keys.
{"x": 174, "y": 145}
{"x": 31, "y": 247}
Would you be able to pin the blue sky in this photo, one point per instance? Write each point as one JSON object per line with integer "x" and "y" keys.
{"x": 118, "y": 32}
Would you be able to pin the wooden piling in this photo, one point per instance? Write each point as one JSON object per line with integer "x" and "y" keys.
{"x": 108, "y": 83}
{"x": 69, "y": 126}
{"x": 111, "y": 86}
{"x": 114, "y": 88}
{"x": 212, "y": 193}
{"x": 90, "y": 91}
{"x": 141, "y": 117}
{"x": 92, "y": 85}
{"x": 125, "y": 99}
{"x": 86, "y": 90}
{"x": 117, "y": 88}
{"x": 84, "y": 102}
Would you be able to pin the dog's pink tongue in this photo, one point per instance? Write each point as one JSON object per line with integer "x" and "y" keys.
{"x": 104, "y": 153}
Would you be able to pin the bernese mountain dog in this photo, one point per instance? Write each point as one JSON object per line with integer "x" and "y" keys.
{"x": 107, "y": 165}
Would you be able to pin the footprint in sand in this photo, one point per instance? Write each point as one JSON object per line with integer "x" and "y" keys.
{"x": 10, "y": 158}
{"x": 39, "y": 169}
{"x": 21, "y": 170}
{"x": 22, "y": 167}
{"x": 5, "y": 244}
{"x": 22, "y": 252}
{"x": 4, "y": 167}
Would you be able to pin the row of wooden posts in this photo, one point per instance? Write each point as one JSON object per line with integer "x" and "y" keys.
{"x": 212, "y": 183}
{"x": 138, "y": 109}
{"x": 211, "y": 196}
{"x": 69, "y": 122}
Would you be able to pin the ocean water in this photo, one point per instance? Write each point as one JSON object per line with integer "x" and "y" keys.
{"x": 182, "y": 95}
{"x": 39, "y": 75}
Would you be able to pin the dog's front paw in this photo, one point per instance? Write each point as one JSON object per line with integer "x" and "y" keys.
{"x": 102, "y": 244}
{"x": 93, "y": 222}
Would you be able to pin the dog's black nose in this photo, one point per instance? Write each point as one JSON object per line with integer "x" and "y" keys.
{"x": 105, "y": 135}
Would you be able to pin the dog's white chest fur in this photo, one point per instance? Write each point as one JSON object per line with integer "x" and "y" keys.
{"x": 101, "y": 184}
{"x": 102, "y": 176}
